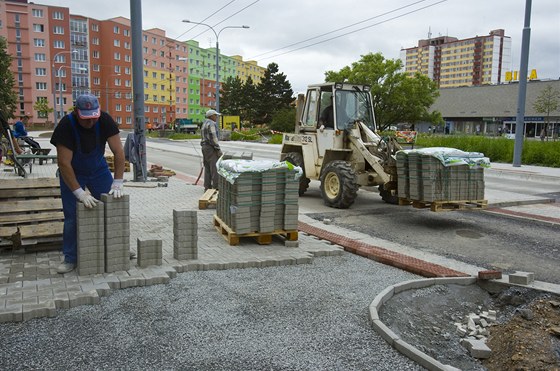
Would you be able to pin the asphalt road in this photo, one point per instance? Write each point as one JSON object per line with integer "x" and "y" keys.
{"x": 474, "y": 237}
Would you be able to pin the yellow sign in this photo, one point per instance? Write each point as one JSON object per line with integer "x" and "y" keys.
{"x": 514, "y": 75}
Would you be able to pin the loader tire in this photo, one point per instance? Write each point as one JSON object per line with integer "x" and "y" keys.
{"x": 388, "y": 196}
{"x": 338, "y": 185}
{"x": 296, "y": 159}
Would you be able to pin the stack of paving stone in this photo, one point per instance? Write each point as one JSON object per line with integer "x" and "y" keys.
{"x": 424, "y": 177}
{"x": 260, "y": 201}
{"x": 104, "y": 236}
{"x": 149, "y": 252}
{"x": 117, "y": 233}
{"x": 91, "y": 239}
{"x": 185, "y": 234}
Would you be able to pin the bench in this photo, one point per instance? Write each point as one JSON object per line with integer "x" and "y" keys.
{"x": 30, "y": 213}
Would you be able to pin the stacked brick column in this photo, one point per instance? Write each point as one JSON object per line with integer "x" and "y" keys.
{"x": 149, "y": 252}
{"x": 91, "y": 239}
{"x": 104, "y": 236}
{"x": 185, "y": 234}
{"x": 117, "y": 233}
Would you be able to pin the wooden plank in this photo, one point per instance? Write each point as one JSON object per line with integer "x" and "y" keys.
{"x": 209, "y": 198}
{"x": 29, "y": 183}
{"x": 32, "y": 230}
{"x": 9, "y": 219}
{"x": 30, "y": 193}
{"x": 30, "y": 205}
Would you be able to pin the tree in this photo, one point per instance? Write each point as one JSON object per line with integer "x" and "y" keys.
{"x": 284, "y": 120}
{"x": 42, "y": 107}
{"x": 8, "y": 97}
{"x": 397, "y": 98}
{"x": 274, "y": 93}
{"x": 248, "y": 99}
{"x": 547, "y": 102}
{"x": 231, "y": 97}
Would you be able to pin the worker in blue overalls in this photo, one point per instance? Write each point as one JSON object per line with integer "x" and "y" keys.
{"x": 80, "y": 138}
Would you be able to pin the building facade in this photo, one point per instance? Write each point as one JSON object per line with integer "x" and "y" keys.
{"x": 492, "y": 110}
{"x": 58, "y": 56}
{"x": 479, "y": 60}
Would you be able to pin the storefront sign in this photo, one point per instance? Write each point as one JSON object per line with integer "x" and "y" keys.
{"x": 514, "y": 75}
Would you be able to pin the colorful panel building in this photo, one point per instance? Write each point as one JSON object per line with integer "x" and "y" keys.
{"x": 59, "y": 55}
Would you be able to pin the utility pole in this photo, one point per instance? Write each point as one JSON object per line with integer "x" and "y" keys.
{"x": 140, "y": 174}
{"x": 520, "y": 120}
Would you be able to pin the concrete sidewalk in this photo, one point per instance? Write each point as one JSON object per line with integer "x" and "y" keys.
{"x": 30, "y": 287}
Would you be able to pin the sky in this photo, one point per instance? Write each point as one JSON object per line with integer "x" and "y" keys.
{"x": 306, "y": 38}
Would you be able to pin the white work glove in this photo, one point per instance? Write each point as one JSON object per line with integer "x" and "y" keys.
{"x": 84, "y": 197}
{"x": 321, "y": 128}
{"x": 117, "y": 188}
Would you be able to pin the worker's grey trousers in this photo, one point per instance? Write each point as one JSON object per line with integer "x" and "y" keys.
{"x": 210, "y": 157}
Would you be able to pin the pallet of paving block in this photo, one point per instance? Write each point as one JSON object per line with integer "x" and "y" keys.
{"x": 438, "y": 206}
{"x": 262, "y": 238}
{"x": 209, "y": 198}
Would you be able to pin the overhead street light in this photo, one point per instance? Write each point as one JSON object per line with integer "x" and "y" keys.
{"x": 61, "y": 113}
{"x": 217, "y": 34}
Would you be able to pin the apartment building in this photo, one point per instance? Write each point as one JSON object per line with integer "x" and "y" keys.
{"x": 59, "y": 55}
{"x": 475, "y": 61}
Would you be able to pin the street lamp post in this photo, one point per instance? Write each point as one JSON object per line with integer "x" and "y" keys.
{"x": 61, "y": 112}
{"x": 217, "y": 34}
{"x": 59, "y": 81}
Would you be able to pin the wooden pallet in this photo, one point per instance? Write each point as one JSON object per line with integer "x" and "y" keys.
{"x": 209, "y": 198}
{"x": 438, "y": 206}
{"x": 262, "y": 238}
{"x": 30, "y": 213}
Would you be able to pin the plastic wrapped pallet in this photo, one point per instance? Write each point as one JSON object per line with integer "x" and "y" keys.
{"x": 441, "y": 174}
{"x": 258, "y": 196}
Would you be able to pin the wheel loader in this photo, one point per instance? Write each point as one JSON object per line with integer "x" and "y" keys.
{"x": 335, "y": 142}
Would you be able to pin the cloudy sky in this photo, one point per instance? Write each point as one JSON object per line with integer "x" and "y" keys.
{"x": 308, "y": 37}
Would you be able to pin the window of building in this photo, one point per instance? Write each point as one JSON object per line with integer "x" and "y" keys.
{"x": 58, "y": 30}
{"x": 118, "y": 107}
{"x": 154, "y": 86}
{"x": 154, "y": 98}
{"x": 58, "y": 15}
{"x": 154, "y": 40}
{"x": 40, "y": 72}
{"x": 162, "y": 65}
{"x": 95, "y": 27}
{"x": 127, "y": 70}
{"x": 116, "y": 29}
{"x": 96, "y": 67}
{"x": 117, "y": 56}
{"x": 127, "y": 83}
{"x": 145, "y": 37}
{"x": 154, "y": 64}
{"x": 95, "y": 40}
{"x": 126, "y": 45}
{"x": 117, "y": 94}
{"x": 163, "y": 98}
{"x": 126, "y": 32}
{"x": 117, "y": 69}
{"x": 40, "y": 57}
{"x": 117, "y": 43}
{"x": 155, "y": 107}
{"x": 128, "y": 120}
{"x": 38, "y": 27}
{"x": 41, "y": 85}
{"x": 95, "y": 54}
{"x": 39, "y": 42}
{"x": 117, "y": 82}
{"x": 127, "y": 57}
{"x": 38, "y": 13}
{"x": 162, "y": 87}
{"x": 162, "y": 53}
{"x": 58, "y": 44}
{"x": 146, "y": 108}
{"x": 128, "y": 108}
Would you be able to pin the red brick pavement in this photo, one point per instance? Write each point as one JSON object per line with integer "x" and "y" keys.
{"x": 382, "y": 255}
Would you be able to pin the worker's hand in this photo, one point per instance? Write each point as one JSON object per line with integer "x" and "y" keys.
{"x": 321, "y": 128}
{"x": 117, "y": 188}
{"x": 84, "y": 197}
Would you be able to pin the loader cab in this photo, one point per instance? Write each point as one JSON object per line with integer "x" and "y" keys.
{"x": 336, "y": 106}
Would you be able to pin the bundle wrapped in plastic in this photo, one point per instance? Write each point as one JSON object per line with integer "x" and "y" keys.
{"x": 231, "y": 169}
{"x": 454, "y": 157}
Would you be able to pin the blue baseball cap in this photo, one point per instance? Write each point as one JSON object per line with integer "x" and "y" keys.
{"x": 87, "y": 106}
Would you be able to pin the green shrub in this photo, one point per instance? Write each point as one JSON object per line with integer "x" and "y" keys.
{"x": 275, "y": 139}
{"x": 499, "y": 149}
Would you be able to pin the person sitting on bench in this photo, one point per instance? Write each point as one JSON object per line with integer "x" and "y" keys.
{"x": 20, "y": 133}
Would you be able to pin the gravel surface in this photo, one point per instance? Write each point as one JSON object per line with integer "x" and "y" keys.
{"x": 306, "y": 317}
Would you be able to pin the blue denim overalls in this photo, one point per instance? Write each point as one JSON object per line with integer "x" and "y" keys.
{"x": 91, "y": 171}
